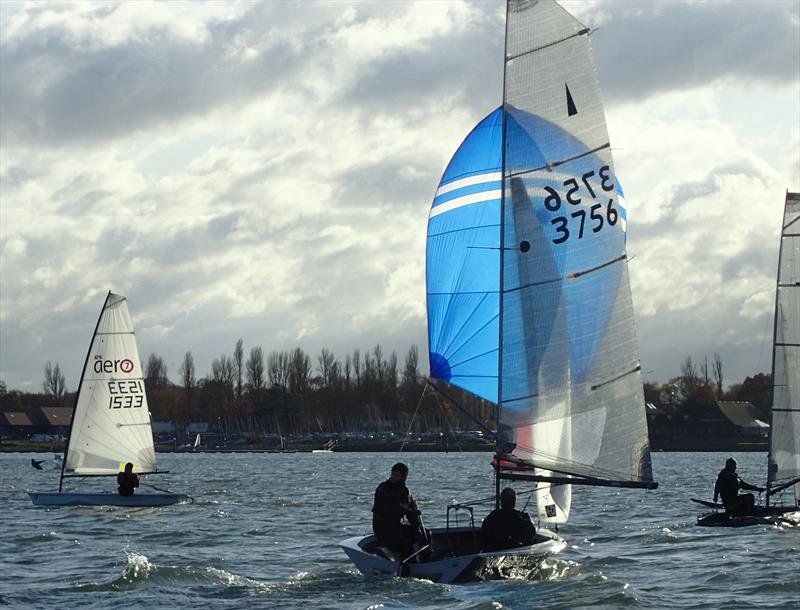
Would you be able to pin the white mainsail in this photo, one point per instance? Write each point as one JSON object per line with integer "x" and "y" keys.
{"x": 571, "y": 399}
{"x": 111, "y": 424}
{"x": 784, "y": 448}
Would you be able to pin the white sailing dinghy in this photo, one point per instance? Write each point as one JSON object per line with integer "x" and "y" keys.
{"x": 111, "y": 422}
{"x": 783, "y": 462}
{"x": 529, "y": 302}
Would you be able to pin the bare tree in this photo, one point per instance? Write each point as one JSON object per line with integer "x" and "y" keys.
{"x": 328, "y": 369}
{"x": 391, "y": 370}
{"x": 411, "y": 368}
{"x": 238, "y": 365}
{"x": 223, "y": 371}
{"x": 278, "y": 369}
{"x": 689, "y": 376}
{"x": 299, "y": 371}
{"x": 347, "y": 370}
{"x": 54, "y": 384}
{"x": 380, "y": 365}
{"x": 357, "y": 366}
{"x": 704, "y": 371}
{"x": 255, "y": 370}
{"x": 717, "y": 369}
{"x": 188, "y": 379}
{"x": 155, "y": 375}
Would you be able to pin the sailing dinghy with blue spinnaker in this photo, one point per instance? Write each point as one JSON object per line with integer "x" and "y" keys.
{"x": 111, "y": 422}
{"x": 528, "y": 296}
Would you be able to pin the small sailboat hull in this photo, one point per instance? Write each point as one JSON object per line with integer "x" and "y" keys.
{"x": 455, "y": 557}
{"x": 775, "y": 515}
{"x": 105, "y": 499}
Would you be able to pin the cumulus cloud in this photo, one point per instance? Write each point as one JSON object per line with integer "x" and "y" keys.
{"x": 251, "y": 170}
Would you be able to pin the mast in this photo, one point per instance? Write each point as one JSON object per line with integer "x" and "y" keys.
{"x": 774, "y": 340}
{"x": 499, "y": 438}
{"x": 78, "y": 393}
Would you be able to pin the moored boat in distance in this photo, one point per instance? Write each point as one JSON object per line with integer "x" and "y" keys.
{"x": 111, "y": 423}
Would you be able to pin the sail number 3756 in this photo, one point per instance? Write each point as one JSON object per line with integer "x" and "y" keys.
{"x": 598, "y": 213}
{"x": 125, "y": 394}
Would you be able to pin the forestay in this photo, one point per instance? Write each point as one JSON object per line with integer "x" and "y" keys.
{"x": 111, "y": 424}
{"x": 570, "y": 397}
{"x": 785, "y": 424}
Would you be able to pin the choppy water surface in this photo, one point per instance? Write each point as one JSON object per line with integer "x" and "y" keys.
{"x": 264, "y": 528}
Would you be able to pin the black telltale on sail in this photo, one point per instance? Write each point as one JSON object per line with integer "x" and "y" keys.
{"x": 571, "y": 110}
{"x": 524, "y": 246}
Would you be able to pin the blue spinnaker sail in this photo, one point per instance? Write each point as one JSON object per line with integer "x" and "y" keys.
{"x": 463, "y": 263}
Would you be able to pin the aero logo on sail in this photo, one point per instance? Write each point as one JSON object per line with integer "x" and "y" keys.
{"x": 125, "y": 365}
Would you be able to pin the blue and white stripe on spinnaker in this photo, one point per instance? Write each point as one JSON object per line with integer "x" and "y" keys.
{"x": 487, "y": 186}
{"x": 479, "y": 188}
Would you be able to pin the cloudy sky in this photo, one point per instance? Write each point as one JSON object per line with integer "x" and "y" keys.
{"x": 265, "y": 170}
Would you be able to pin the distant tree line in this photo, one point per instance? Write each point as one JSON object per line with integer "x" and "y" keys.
{"x": 702, "y": 385}
{"x": 287, "y": 391}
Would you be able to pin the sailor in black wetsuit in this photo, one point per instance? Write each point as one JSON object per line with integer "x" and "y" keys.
{"x": 506, "y": 527}
{"x": 727, "y": 487}
{"x": 127, "y": 480}
{"x": 393, "y": 501}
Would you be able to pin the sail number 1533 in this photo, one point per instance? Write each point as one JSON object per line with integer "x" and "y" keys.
{"x": 125, "y": 394}
{"x": 574, "y": 224}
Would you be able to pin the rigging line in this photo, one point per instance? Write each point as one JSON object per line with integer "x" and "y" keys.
{"x": 550, "y": 165}
{"x": 455, "y": 364}
{"x": 472, "y": 228}
{"x": 570, "y": 276}
{"x": 568, "y": 462}
{"x": 617, "y": 378}
{"x": 449, "y": 310}
{"x": 464, "y": 324}
{"x": 411, "y": 423}
{"x": 441, "y": 294}
{"x": 549, "y": 44}
{"x": 467, "y": 340}
{"x": 788, "y": 344}
{"x": 466, "y": 413}
{"x": 790, "y": 223}
{"x": 786, "y": 410}
{"x": 449, "y": 427}
{"x": 597, "y": 474}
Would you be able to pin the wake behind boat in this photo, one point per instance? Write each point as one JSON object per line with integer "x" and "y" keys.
{"x": 783, "y": 461}
{"x": 111, "y": 422}
{"x": 528, "y": 296}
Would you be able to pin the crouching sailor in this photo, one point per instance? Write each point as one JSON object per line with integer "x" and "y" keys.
{"x": 728, "y": 485}
{"x": 506, "y": 527}
{"x": 393, "y": 502}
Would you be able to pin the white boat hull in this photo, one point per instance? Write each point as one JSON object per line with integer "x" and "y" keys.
{"x": 105, "y": 499}
{"x": 448, "y": 566}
